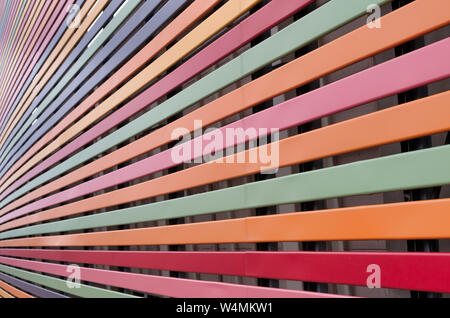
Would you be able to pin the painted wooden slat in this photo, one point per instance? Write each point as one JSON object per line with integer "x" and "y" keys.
{"x": 14, "y": 291}
{"x": 61, "y": 284}
{"x": 5, "y": 294}
{"x": 30, "y": 288}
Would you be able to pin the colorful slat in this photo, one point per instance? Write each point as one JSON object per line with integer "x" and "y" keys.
{"x": 403, "y": 270}
{"x": 60, "y": 284}
{"x": 5, "y": 294}
{"x": 158, "y": 285}
{"x": 95, "y": 116}
{"x": 252, "y": 90}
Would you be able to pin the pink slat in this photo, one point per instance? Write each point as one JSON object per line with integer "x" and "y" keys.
{"x": 413, "y": 271}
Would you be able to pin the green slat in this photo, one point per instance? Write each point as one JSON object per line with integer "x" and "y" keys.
{"x": 430, "y": 167}
{"x": 331, "y": 16}
{"x": 81, "y": 61}
{"x": 61, "y": 285}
